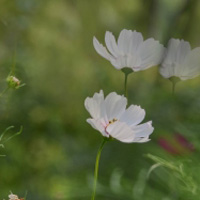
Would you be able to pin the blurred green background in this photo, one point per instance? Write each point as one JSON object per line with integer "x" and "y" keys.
{"x": 54, "y": 156}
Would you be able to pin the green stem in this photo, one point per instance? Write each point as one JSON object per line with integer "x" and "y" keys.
{"x": 4, "y": 91}
{"x": 126, "y": 72}
{"x": 174, "y": 81}
{"x": 125, "y": 85}
{"x": 173, "y": 88}
{"x": 97, "y": 167}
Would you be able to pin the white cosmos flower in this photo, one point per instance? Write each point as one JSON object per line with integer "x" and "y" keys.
{"x": 180, "y": 61}
{"x": 112, "y": 119}
{"x": 130, "y": 50}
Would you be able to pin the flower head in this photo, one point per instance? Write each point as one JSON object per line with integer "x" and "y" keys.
{"x": 130, "y": 50}
{"x": 113, "y": 120}
{"x": 13, "y": 82}
{"x": 13, "y": 197}
{"x": 180, "y": 61}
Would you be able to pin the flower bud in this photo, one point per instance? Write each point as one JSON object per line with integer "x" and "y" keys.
{"x": 13, "y": 82}
{"x": 13, "y": 197}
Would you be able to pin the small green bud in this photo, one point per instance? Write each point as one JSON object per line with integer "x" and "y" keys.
{"x": 13, "y": 82}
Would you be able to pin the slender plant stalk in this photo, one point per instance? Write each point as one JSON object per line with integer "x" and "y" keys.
{"x": 97, "y": 168}
{"x": 126, "y": 72}
{"x": 125, "y": 85}
{"x": 174, "y": 81}
{"x": 4, "y": 91}
{"x": 173, "y": 88}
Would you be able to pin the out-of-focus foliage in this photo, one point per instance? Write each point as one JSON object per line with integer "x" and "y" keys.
{"x": 54, "y": 156}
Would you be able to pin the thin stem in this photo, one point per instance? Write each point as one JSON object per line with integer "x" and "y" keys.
{"x": 4, "y": 91}
{"x": 14, "y": 61}
{"x": 174, "y": 81}
{"x": 126, "y": 72}
{"x": 97, "y": 167}
{"x": 125, "y": 85}
{"x": 173, "y": 88}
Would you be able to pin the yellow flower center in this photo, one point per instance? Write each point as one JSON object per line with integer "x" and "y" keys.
{"x": 112, "y": 121}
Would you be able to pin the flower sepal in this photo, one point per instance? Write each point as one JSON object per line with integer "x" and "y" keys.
{"x": 174, "y": 79}
{"x": 127, "y": 70}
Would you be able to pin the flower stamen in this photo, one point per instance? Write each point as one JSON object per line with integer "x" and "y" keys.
{"x": 109, "y": 123}
{"x": 112, "y": 121}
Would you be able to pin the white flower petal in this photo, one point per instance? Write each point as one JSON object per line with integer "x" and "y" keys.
{"x": 121, "y": 61}
{"x": 141, "y": 140}
{"x": 171, "y": 52}
{"x": 133, "y": 115}
{"x": 191, "y": 66}
{"x": 118, "y": 62}
{"x": 101, "y": 50}
{"x": 166, "y": 70}
{"x": 124, "y": 41}
{"x": 121, "y": 131}
{"x": 143, "y": 130}
{"x": 151, "y": 53}
{"x": 182, "y": 52}
{"x": 111, "y": 44}
{"x": 95, "y": 105}
{"x": 136, "y": 40}
{"x": 115, "y": 105}
{"x": 98, "y": 125}
{"x": 134, "y": 62}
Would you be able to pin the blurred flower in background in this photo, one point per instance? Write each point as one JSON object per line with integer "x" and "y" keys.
{"x": 180, "y": 61}
{"x": 130, "y": 50}
{"x": 13, "y": 197}
{"x": 176, "y": 144}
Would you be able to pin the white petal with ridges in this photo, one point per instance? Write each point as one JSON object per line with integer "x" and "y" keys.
{"x": 124, "y": 41}
{"x": 180, "y": 60}
{"x": 111, "y": 44}
{"x": 182, "y": 51}
{"x": 121, "y": 131}
{"x": 151, "y": 53}
{"x": 141, "y": 140}
{"x": 135, "y": 42}
{"x": 134, "y": 62}
{"x": 98, "y": 125}
{"x": 115, "y": 105}
{"x": 166, "y": 71}
{"x": 143, "y": 130}
{"x": 133, "y": 115}
{"x": 101, "y": 50}
{"x": 95, "y": 105}
{"x": 191, "y": 66}
{"x": 171, "y": 52}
